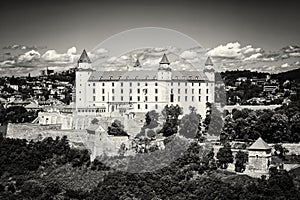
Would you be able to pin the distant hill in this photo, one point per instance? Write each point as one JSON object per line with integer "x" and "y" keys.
{"x": 290, "y": 75}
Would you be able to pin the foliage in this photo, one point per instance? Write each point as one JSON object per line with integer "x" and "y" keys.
{"x": 240, "y": 161}
{"x": 116, "y": 129}
{"x": 225, "y": 156}
{"x": 171, "y": 114}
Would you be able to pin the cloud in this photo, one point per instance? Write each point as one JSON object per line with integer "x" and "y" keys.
{"x": 189, "y": 55}
{"x": 230, "y": 50}
{"x": 52, "y": 56}
{"x": 285, "y": 65}
{"x": 29, "y": 56}
{"x": 7, "y": 63}
{"x": 253, "y": 57}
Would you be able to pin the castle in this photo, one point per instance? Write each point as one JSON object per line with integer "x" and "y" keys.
{"x": 139, "y": 91}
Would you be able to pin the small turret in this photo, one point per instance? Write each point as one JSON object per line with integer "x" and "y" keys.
{"x": 137, "y": 64}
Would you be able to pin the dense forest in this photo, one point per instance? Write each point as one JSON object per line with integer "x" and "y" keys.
{"x": 51, "y": 169}
{"x": 274, "y": 126}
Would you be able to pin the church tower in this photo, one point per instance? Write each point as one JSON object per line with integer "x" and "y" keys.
{"x": 84, "y": 61}
{"x": 164, "y": 70}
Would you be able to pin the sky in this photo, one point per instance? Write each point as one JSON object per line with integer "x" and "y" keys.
{"x": 35, "y": 34}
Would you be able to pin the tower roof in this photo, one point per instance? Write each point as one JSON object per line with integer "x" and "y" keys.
{"x": 208, "y": 61}
{"x": 259, "y": 144}
{"x": 137, "y": 63}
{"x": 84, "y": 58}
{"x": 164, "y": 60}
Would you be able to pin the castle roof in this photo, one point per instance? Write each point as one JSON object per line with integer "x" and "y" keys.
{"x": 84, "y": 58}
{"x": 208, "y": 61}
{"x": 164, "y": 60}
{"x": 137, "y": 63}
{"x": 145, "y": 75}
{"x": 259, "y": 144}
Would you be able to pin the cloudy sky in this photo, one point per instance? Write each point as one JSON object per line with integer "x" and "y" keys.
{"x": 255, "y": 35}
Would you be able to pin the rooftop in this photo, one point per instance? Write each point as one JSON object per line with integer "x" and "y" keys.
{"x": 259, "y": 144}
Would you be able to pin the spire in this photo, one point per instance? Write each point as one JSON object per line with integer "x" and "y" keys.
{"x": 137, "y": 63}
{"x": 164, "y": 60}
{"x": 209, "y": 62}
{"x": 84, "y": 58}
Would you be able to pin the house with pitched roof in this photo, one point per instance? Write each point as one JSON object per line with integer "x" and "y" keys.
{"x": 259, "y": 158}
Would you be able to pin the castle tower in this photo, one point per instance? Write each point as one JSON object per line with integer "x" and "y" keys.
{"x": 83, "y": 92}
{"x": 210, "y": 84}
{"x": 164, "y": 70}
{"x": 259, "y": 157}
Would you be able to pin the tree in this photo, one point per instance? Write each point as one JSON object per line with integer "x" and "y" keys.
{"x": 116, "y": 129}
{"x": 171, "y": 114}
{"x": 240, "y": 161}
{"x": 280, "y": 151}
{"x": 225, "y": 156}
{"x": 190, "y": 125}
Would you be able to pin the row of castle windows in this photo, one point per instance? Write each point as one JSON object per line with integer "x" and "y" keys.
{"x": 146, "y": 84}
{"x": 145, "y": 91}
{"x": 146, "y": 98}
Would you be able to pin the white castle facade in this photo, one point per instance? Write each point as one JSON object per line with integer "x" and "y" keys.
{"x": 140, "y": 91}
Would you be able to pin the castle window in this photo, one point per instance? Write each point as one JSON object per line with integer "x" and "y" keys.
{"x": 138, "y": 90}
{"x": 103, "y": 91}
{"x": 94, "y": 84}
{"x": 156, "y": 106}
{"x": 103, "y": 84}
{"x": 206, "y": 84}
{"x": 192, "y": 98}
{"x": 192, "y": 84}
{"x": 94, "y": 90}
{"x": 130, "y": 91}
{"x": 130, "y": 98}
{"x": 186, "y": 91}
{"x": 121, "y": 91}
{"x": 156, "y": 84}
{"x": 156, "y": 98}
{"x": 130, "y": 84}
{"x": 199, "y": 98}
{"x": 146, "y": 84}
{"x": 178, "y": 91}
{"x": 146, "y": 106}
{"x": 113, "y": 84}
{"x": 138, "y": 98}
{"x": 122, "y": 98}
{"x": 178, "y": 83}
{"x": 206, "y": 98}
{"x": 192, "y": 91}
{"x": 121, "y": 84}
{"x": 171, "y": 91}
{"x": 94, "y": 98}
{"x": 113, "y": 98}
{"x": 113, "y": 91}
{"x": 103, "y": 98}
{"x": 139, "y": 106}
{"x": 199, "y": 91}
{"x": 185, "y": 83}
{"x": 185, "y": 98}
{"x": 199, "y": 84}
{"x": 156, "y": 91}
{"x": 256, "y": 156}
{"x": 206, "y": 91}
{"x": 138, "y": 84}
{"x": 146, "y": 98}
{"x": 178, "y": 98}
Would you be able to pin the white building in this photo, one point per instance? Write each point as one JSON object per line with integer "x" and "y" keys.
{"x": 105, "y": 92}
